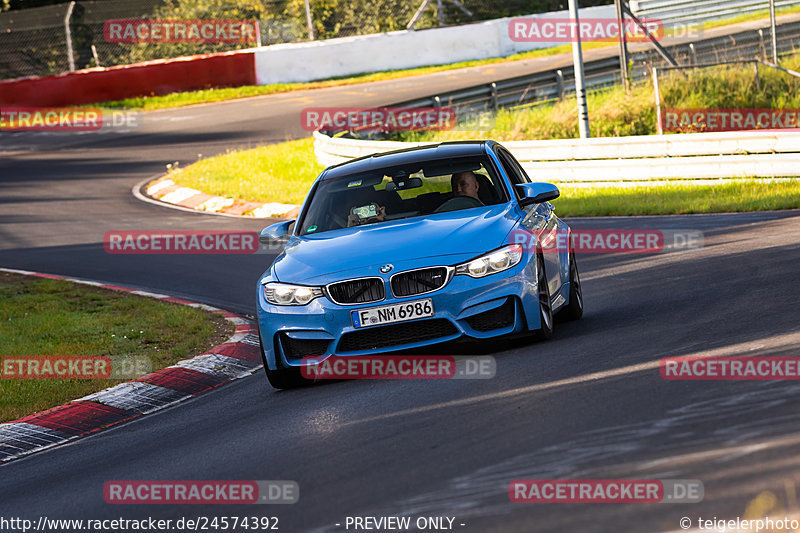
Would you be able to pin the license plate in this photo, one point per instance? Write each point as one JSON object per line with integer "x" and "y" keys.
{"x": 388, "y": 314}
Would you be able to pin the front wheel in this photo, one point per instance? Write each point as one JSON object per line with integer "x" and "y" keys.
{"x": 545, "y": 305}
{"x": 574, "y": 308}
{"x": 282, "y": 378}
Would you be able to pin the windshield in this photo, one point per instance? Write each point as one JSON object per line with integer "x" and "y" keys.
{"x": 394, "y": 193}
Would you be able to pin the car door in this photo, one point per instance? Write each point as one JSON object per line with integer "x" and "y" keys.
{"x": 541, "y": 217}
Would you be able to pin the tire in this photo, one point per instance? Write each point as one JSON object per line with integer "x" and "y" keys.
{"x": 574, "y": 308}
{"x": 545, "y": 305}
{"x": 283, "y": 378}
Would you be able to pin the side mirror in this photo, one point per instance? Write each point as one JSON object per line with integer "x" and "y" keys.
{"x": 275, "y": 232}
{"x": 536, "y": 193}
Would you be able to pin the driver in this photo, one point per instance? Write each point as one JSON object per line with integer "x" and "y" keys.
{"x": 465, "y": 184}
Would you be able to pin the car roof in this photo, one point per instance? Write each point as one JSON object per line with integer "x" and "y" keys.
{"x": 445, "y": 150}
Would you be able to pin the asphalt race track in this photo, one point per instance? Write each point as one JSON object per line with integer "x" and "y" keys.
{"x": 588, "y": 404}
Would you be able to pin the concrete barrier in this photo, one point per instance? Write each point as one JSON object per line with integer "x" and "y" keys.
{"x": 298, "y": 62}
{"x": 729, "y": 154}
{"x": 294, "y": 62}
{"x": 228, "y": 69}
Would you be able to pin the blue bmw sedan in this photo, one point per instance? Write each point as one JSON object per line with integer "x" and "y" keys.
{"x": 401, "y": 250}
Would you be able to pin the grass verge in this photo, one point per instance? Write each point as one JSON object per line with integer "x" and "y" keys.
{"x": 615, "y": 113}
{"x": 52, "y": 317}
{"x": 678, "y": 198}
{"x": 284, "y": 173}
{"x": 150, "y": 103}
{"x": 274, "y": 173}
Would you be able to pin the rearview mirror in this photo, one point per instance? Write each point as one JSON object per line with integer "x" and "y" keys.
{"x": 275, "y": 232}
{"x": 401, "y": 184}
{"x": 536, "y": 193}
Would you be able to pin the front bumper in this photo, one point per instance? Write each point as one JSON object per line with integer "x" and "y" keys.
{"x": 479, "y": 308}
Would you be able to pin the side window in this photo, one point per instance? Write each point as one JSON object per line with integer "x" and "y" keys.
{"x": 514, "y": 171}
{"x": 519, "y": 170}
{"x": 525, "y": 177}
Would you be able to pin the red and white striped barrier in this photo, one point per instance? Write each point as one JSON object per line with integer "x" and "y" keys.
{"x": 238, "y": 357}
{"x": 152, "y": 78}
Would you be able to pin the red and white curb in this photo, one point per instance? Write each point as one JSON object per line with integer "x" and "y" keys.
{"x": 238, "y": 357}
{"x": 167, "y": 191}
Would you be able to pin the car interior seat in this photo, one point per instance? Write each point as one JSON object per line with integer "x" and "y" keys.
{"x": 486, "y": 191}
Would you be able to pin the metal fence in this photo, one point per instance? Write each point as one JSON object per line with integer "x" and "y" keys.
{"x": 34, "y": 41}
{"x": 536, "y": 88}
{"x": 743, "y": 45}
{"x": 544, "y": 87}
{"x": 53, "y": 39}
{"x": 672, "y": 12}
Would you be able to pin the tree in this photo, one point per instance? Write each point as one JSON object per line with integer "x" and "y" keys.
{"x": 197, "y": 10}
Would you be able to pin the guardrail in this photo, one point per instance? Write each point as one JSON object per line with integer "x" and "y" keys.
{"x": 682, "y": 156}
{"x": 543, "y": 87}
{"x": 672, "y": 12}
{"x": 533, "y": 88}
{"x": 645, "y": 157}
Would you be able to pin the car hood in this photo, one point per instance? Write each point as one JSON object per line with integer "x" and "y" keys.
{"x": 409, "y": 243}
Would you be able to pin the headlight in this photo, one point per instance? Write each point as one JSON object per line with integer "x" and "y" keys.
{"x": 284, "y": 294}
{"x": 493, "y": 262}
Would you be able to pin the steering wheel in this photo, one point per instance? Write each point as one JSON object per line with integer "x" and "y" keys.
{"x": 459, "y": 202}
